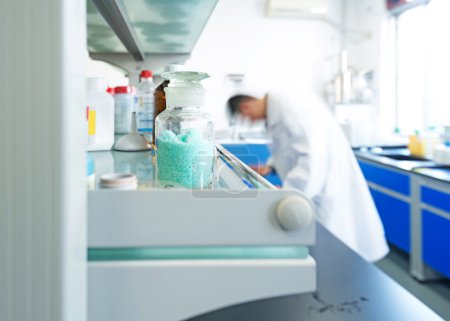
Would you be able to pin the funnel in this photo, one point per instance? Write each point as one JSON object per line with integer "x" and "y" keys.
{"x": 132, "y": 142}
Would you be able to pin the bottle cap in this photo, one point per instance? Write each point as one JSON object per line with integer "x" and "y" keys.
{"x": 122, "y": 90}
{"x": 146, "y": 74}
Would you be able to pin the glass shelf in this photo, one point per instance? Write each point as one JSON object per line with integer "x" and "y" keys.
{"x": 142, "y": 239}
{"x": 230, "y": 173}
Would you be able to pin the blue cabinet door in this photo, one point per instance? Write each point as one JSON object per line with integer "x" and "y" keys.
{"x": 435, "y": 198}
{"x": 395, "y": 215}
{"x": 391, "y": 179}
{"x": 436, "y": 241}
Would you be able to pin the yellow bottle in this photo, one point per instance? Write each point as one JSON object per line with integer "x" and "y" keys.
{"x": 417, "y": 146}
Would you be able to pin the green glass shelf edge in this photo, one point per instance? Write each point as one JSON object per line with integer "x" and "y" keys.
{"x": 197, "y": 253}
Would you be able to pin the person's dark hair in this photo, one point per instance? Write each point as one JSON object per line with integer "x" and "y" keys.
{"x": 234, "y": 102}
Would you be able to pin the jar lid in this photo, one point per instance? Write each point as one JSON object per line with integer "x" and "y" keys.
{"x": 122, "y": 90}
{"x": 185, "y": 76}
{"x": 185, "y": 89}
{"x": 118, "y": 180}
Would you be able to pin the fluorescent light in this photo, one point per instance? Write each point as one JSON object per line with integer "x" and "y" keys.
{"x": 297, "y": 8}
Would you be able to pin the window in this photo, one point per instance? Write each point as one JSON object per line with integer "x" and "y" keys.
{"x": 423, "y": 67}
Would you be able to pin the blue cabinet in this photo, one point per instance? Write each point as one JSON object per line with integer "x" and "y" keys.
{"x": 435, "y": 212}
{"x": 395, "y": 215}
{"x": 435, "y": 198}
{"x": 436, "y": 241}
{"x": 391, "y": 191}
{"x": 415, "y": 211}
{"x": 253, "y": 154}
{"x": 391, "y": 179}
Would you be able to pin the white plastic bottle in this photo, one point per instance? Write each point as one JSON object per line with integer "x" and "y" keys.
{"x": 100, "y": 111}
{"x": 146, "y": 104}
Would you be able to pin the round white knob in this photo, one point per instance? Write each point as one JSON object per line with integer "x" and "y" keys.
{"x": 294, "y": 213}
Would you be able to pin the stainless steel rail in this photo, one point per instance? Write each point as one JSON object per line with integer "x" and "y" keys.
{"x": 239, "y": 167}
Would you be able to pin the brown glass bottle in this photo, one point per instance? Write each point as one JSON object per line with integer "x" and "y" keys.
{"x": 160, "y": 103}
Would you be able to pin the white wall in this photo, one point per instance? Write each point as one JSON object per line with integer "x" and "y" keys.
{"x": 367, "y": 37}
{"x": 114, "y": 76}
{"x": 239, "y": 38}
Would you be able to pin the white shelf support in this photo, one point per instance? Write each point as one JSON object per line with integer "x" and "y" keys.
{"x": 115, "y": 14}
{"x": 42, "y": 162}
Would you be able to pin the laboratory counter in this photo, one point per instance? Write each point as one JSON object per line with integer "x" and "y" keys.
{"x": 398, "y": 158}
{"x": 394, "y": 157}
{"x": 348, "y": 288}
{"x": 401, "y": 159}
{"x": 440, "y": 173}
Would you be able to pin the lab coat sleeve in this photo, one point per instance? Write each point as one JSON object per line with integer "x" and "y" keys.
{"x": 310, "y": 170}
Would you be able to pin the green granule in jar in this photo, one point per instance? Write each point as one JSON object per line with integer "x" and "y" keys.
{"x": 185, "y": 159}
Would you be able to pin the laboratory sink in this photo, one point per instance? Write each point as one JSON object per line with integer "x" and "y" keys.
{"x": 399, "y": 154}
{"x": 402, "y": 157}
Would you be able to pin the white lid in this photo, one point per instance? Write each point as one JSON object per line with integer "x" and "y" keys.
{"x": 173, "y": 67}
{"x": 185, "y": 89}
{"x": 96, "y": 84}
{"x": 184, "y": 97}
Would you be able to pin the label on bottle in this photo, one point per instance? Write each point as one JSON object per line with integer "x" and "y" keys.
{"x": 145, "y": 113}
{"x": 91, "y": 114}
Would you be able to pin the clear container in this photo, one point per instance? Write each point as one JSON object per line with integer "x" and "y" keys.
{"x": 146, "y": 104}
{"x": 100, "y": 115}
{"x": 185, "y": 134}
{"x": 123, "y": 107}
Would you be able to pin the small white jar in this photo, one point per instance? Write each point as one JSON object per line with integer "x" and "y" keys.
{"x": 120, "y": 181}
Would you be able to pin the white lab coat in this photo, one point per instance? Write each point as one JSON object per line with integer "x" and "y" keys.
{"x": 311, "y": 153}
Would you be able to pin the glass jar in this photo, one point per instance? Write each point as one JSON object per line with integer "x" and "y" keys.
{"x": 185, "y": 134}
{"x": 160, "y": 95}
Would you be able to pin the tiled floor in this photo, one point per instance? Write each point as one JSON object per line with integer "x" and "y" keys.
{"x": 435, "y": 294}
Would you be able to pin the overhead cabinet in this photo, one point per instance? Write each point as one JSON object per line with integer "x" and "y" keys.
{"x": 135, "y": 34}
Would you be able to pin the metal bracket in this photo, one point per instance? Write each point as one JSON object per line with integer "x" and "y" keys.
{"x": 115, "y": 14}
{"x": 133, "y": 68}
